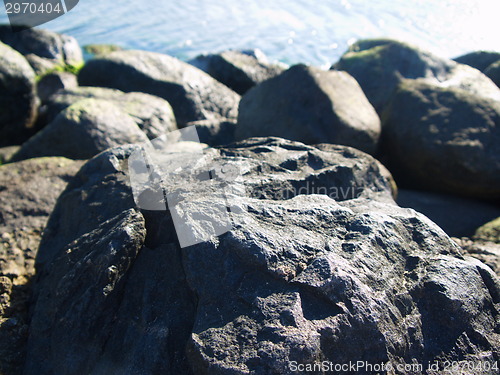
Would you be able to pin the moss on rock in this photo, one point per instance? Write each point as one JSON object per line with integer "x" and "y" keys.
{"x": 101, "y": 49}
{"x": 489, "y": 231}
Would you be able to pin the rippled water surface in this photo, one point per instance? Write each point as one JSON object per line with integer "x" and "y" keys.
{"x": 292, "y": 31}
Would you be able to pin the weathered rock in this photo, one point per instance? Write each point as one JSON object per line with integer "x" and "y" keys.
{"x": 489, "y": 231}
{"x": 55, "y": 49}
{"x": 443, "y": 139}
{"x": 215, "y": 132}
{"x": 493, "y": 72}
{"x": 478, "y": 59}
{"x": 50, "y": 83}
{"x": 41, "y": 65}
{"x": 380, "y": 64}
{"x": 304, "y": 279}
{"x": 341, "y": 172}
{"x": 18, "y": 100}
{"x": 115, "y": 246}
{"x": 5, "y": 291}
{"x": 309, "y": 105}
{"x": 457, "y": 216}
{"x": 105, "y": 176}
{"x": 290, "y": 168}
{"x": 236, "y": 69}
{"x": 485, "y": 244}
{"x": 365, "y": 296}
{"x": 152, "y": 114}
{"x": 193, "y": 94}
{"x": 486, "y": 252}
{"x": 28, "y": 193}
{"x": 380, "y": 167}
{"x": 83, "y": 130}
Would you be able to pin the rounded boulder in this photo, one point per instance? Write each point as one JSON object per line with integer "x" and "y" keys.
{"x": 18, "y": 99}
{"x": 379, "y": 65}
{"x": 443, "y": 139}
{"x": 192, "y": 93}
{"x": 44, "y": 49}
{"x": 152, "y": 114}
{"x": 82, "y": 131}
{"x": 238, "y": 70}
{"x": 310, "y": 105}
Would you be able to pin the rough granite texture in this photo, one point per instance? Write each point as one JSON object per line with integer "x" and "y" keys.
{"x": 300, "y": 277}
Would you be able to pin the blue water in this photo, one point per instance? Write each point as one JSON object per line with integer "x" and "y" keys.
{"x": 291, "y": 31}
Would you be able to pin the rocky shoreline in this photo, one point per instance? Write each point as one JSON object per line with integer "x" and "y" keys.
{"x": 322, "y": 262}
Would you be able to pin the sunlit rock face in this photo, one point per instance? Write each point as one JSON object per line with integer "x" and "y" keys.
{"x": 300, "y": 277}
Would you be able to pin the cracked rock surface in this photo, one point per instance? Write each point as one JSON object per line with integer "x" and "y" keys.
{"x": 303, "y": 276}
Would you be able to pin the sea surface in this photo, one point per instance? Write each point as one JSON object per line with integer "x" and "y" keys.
{"x": 291, "y": 31}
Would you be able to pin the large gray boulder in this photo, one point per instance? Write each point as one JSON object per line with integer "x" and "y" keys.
{"x": 302, "y": 278}
{"x": 238, "y": 70}
{"x": 310, "y": 105}
{"x": 18, "y": 100}
{"x": 193, "y": 94}
{"x": 152, "y": 114}
{"x": 28, "y": 193}
{"x": 479, "y": 59}
{"x": 44, "y": 49}
{"x": 341, "y": 172}
{"x": 443, "y": 139}
{"x": 83, "y": 130}
{"x": 380, "y": 64}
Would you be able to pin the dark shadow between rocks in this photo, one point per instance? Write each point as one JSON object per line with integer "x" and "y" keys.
{"x": 14, "y": 330}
